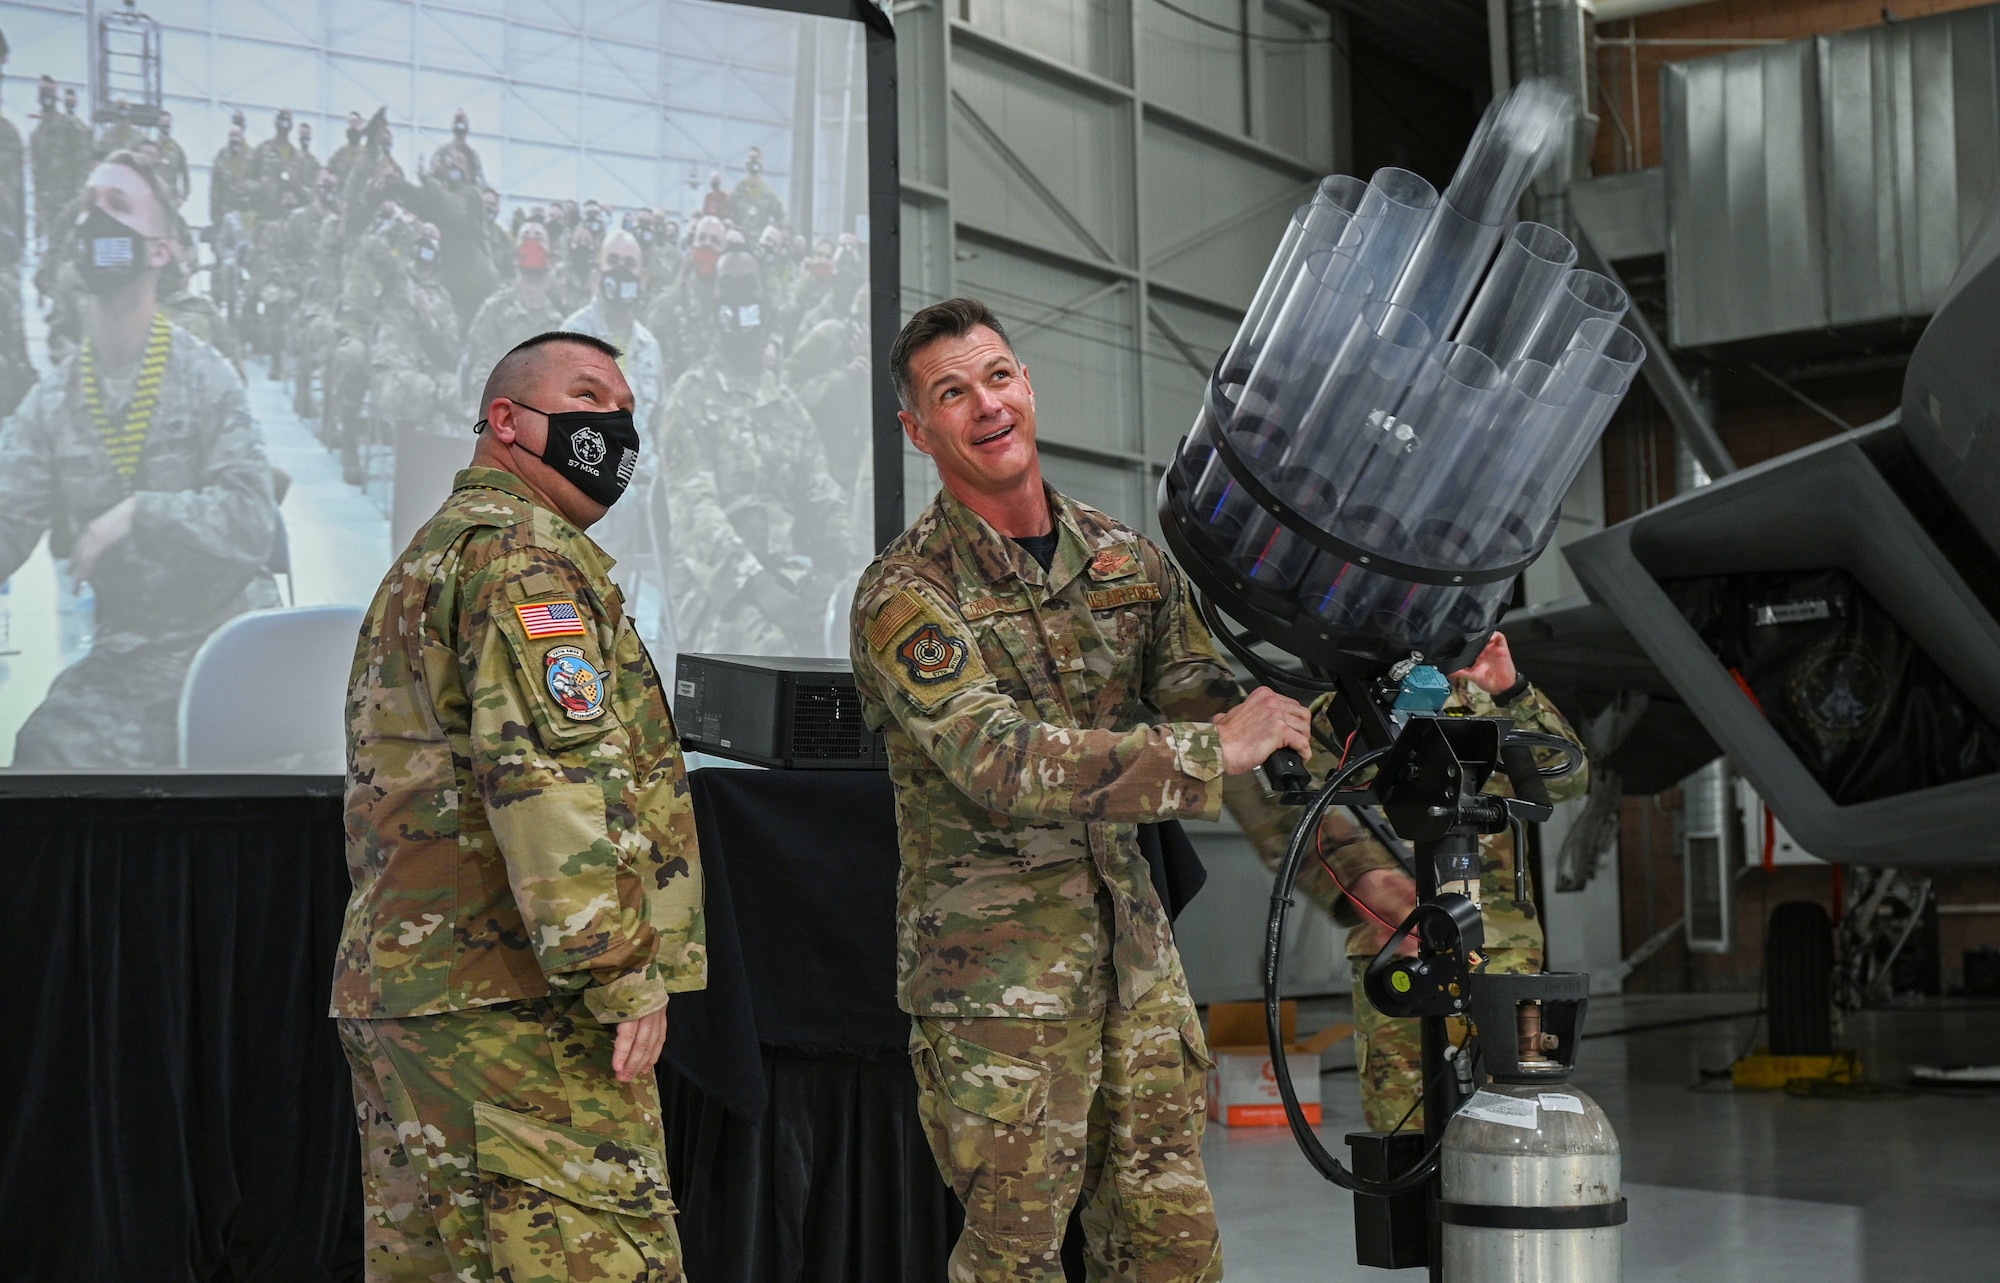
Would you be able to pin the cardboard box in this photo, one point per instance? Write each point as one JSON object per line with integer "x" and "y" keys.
{"x": 1243, "y": 1086}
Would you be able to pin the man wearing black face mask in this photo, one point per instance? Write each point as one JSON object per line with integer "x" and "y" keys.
{"x": 275, "y": 171}
{"x": 631, "y": 535}
{"x": 344, "y": 156}
{"x": 415, "y": 348}
{"x": 138, "y": 458}
{"x": 61, "y": 150}
{"x": 762, "y": 539}
{"x": 753, "y": 205}
{"x": 456, "y": 162}
{"x": 513, "y": 766}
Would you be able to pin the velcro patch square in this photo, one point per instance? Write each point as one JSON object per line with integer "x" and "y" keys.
{"x": 902, "y": 608}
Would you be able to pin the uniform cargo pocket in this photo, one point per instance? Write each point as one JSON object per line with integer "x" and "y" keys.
{"x": 985, "y": 1113}
{"x": 565, "y": 1203}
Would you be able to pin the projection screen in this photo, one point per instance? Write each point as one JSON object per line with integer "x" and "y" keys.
{"x": 266, "y": 252}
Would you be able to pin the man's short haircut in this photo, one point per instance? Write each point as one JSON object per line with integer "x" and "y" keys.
{"x": 952, "y": 319}
{"x": 510, "y": 363}
{"x": 546, "y": 337}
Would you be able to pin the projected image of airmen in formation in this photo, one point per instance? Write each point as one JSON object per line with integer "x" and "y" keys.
{"x": 165, "y": 381}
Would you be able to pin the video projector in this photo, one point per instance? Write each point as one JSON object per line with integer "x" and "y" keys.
{"x": 771, "y": 710}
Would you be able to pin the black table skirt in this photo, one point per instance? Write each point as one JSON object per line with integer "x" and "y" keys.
{"x": 174, "y": 1104}
{"x": 835, "y": 1181}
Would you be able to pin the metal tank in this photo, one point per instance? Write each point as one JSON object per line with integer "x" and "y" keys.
{"x": 1530, "y": 1170}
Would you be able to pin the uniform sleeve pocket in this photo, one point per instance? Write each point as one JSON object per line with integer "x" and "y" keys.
{"x": 580, "y": 1167}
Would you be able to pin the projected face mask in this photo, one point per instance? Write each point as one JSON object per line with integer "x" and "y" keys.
{"x": 620, "y": 285}
{"x": 595, "y": 450}
{"x": 109, "y": 254}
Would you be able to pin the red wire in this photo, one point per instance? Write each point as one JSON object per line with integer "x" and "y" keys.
{"x": 1319, "y": 853}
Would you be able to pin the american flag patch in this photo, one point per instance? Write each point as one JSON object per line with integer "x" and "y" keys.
{"x": 550, "y": 619}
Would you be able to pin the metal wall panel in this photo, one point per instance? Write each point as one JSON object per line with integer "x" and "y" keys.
{"x": 1090, "y": 35}
{"x": 1744, "y": 229}
{"x": 1216, "y": 246}
{"x": 1040, "y": 161}
{"x": 1182, "y": 345}
{"x": 1193, "y": 69}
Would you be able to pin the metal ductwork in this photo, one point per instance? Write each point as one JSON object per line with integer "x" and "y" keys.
{"x": 1830, "y": 183}
{"x": 1552, "y": 39}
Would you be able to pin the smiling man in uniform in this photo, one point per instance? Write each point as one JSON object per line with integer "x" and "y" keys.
{"x": 1045, "y": 686}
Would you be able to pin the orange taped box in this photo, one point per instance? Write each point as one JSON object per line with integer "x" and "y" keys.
{"x": 1243, "y": 1087}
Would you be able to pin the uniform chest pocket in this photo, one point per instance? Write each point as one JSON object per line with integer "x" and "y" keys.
{"x": 1123, "y": 614}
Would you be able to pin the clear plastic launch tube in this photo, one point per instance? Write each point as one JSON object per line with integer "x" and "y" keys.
{"x": 1322, "y": 224}
{"x": 1393, "y": 214}
{"x": 1533, "y": 260}
{"x": 1595, "y": 374}
{"x": 1314, "y": 227}
{"x": 1364, "y": 383}
{"x": 1519, "y": 135}
{"x": 1446, "y": 415}
{"x": 1329, "y": 293}
{"x": 1583, "y": 295}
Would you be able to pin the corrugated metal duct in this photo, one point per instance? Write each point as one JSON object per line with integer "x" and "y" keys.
{"x": 1831, "y": 182}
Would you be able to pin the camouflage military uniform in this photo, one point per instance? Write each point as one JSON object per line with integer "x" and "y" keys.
{"x": 683, "y": 320}
{"x": 1388, "y": 1051}
{"x": 17, "y": 372}
{"x": 1057, "y": 1053}
{"x": 754, "y": 206}
{"x": 174, "y": 169}
{"x": 61, "y": 150}
{"x": 415, "y": 353}
{"x": 119, "y": 135}
{"x": 196, "y": 556}
{"x": 749, "y": 493}
{"x": 229, "y": 185}
{"x": 502, "y": 321}
{"x": 274, "y": 170}
{"x": 13, "y": 191}
{"x": 525, "y": 873}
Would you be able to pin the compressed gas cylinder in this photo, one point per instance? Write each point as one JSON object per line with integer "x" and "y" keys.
{"x": 1531, "y": 1188}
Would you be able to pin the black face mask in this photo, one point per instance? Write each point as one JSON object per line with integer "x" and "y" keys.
{"x": 595, "y": 450}
{"x": 354, "y": 136}
{"x": 109, "y": 253}
{"x": 620, "y": 285}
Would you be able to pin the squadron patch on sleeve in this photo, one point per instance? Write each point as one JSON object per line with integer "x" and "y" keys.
{"x": 931, "y": 656}
{"x": 577, "y": 686}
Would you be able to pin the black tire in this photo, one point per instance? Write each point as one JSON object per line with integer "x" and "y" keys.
{"x": 1798, "y": 979}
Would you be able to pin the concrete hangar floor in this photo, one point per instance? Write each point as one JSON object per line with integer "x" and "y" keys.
{"x": 1725, "y": 1187}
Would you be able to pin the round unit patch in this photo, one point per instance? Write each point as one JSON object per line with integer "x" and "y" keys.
{"x": 931, "y": 656}
{"x": 577, "y": 686}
